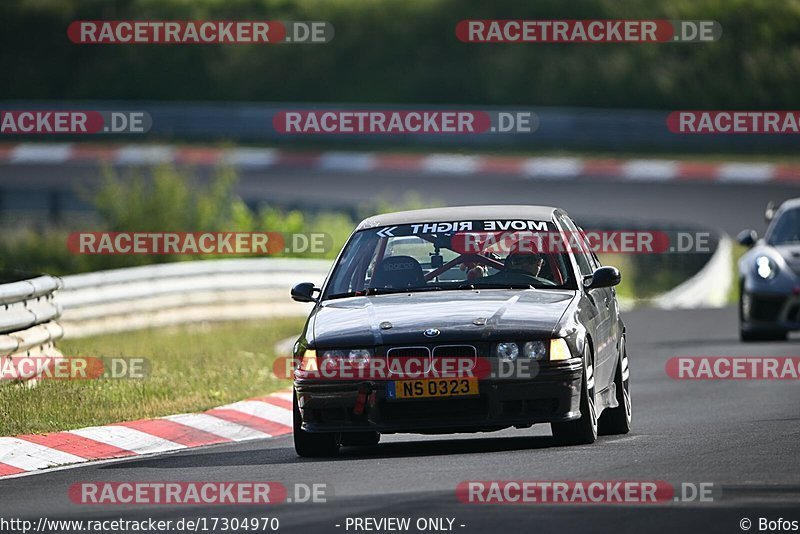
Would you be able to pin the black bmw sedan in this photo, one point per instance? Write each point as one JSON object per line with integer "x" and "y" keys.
{"x": 463, "y": 319}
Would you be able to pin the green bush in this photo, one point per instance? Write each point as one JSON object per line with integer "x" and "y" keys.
{"x": 172, "y": 200}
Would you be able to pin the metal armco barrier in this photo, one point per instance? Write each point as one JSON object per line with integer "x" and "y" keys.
{"x": 559, "y": 127}
{"x": 175, "y": 293}
{"x": 106, "y": 302}
{"x": 28, "y": 326}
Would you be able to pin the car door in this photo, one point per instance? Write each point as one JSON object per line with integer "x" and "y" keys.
{"x": 601, "y": 299}
{"x": 606, "y": 375}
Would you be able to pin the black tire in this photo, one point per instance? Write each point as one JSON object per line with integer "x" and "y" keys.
{"x": 748, "y": 336}
{"x": 770, "y": 335}
{"x": 582, "y": 431}
{"x": 744, "y": 335}
{"x": 618, "y": 420}
{"x": 312, "y": 444}
{"x": 360, "y": 439}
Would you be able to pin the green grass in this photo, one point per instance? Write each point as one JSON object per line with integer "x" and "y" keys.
{"x": 623, "y": 262}
{"x": 192, "y": 368}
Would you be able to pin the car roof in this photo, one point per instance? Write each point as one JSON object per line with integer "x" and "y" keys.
{"x": 461, "y": 213}
{"x": 789, "y": 204}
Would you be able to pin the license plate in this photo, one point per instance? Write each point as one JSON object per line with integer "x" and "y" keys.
{"x": 435, "y": 387}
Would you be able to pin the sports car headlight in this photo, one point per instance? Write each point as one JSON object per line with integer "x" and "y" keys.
{"x": 766, "y": 267}
{"x": 507, "y": 351}
{"x": 535, "y": 350}
{"x": 357, "y": 357}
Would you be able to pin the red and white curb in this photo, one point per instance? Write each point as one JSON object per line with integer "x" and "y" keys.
{"x": 257, "y": 418}
{"x": 539, "y": 168}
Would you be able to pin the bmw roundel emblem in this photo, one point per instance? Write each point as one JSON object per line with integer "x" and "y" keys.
{"x": 431, "y": 332}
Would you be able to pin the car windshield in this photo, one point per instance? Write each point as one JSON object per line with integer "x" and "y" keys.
{"x": 786, "y": 228}
{"x": 451, "y": 256}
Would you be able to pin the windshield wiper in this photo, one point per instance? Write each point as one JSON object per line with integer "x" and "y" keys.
{"x": 343, "y": 295}
{"x": 473, "y": 285}
{"x": 382, "y": 291}
{"x": 390, "y": 290}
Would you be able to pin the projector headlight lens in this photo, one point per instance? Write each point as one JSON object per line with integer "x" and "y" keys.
{"x": 507, "y": 351}
{"x": 535, "y": 350}
{"x": 356, "y": 357}
{"x": 766, "y": 267}
{"x": 359, "y": 357}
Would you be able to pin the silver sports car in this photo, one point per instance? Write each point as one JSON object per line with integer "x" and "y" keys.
{"x": 769, "y": 276}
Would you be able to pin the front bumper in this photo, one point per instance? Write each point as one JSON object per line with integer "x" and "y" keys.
{"x": 770, "y": 312}
{"x": 553, "y": 395}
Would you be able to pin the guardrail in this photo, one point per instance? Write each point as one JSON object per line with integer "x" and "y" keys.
{"x": 184, "y": 292}
{"x": 28, "y": 327}
{"x": 561, "y": 128}
{"x": 217, "y": 290}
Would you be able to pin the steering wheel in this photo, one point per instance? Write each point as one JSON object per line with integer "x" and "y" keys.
{"x": 464, "y": 258}
{"x": 511, "y": 276}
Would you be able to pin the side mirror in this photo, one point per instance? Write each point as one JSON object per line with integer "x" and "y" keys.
{"x": 769, "y": 212}
{"x": 304, "y": 292}
{"x": 603, "y": 277}
{"x": 747, "y": 238}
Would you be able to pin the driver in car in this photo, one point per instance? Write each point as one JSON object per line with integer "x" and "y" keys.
{"x": 530, "y": 264}
{"x": 518, "y": 268}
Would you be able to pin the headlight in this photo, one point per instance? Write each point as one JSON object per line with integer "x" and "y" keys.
{"x": 766, "y": 267}
{"x": 559, "y": 350}
{"x": 309, "y": 361}
{"x": 535, "y": 350}
{"x": 357, "y": 357}
{"x": 507, "y": 351}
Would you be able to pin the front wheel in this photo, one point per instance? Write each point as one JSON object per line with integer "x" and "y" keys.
{"x": 618, "y": 420}
{"x": 312, "y": 444}
{"x": 749, "y": 336}
{"x": 582, "y": 431}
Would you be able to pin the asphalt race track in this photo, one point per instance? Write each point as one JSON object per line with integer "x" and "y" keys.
{"x": 742, "y": 436}
{"x": 729, "y": 206}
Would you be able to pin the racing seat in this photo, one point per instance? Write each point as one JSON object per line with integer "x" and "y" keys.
{"x": 398, "y": 272}
{"x": 547, "y": 270}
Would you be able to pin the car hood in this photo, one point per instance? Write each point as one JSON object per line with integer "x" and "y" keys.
{"x": 458, "y": 315}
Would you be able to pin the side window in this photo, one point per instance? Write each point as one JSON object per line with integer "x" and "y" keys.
{"x": 593, "y": 259}
{"x": 596, "y": 261}
{"x": 581, "y": 256}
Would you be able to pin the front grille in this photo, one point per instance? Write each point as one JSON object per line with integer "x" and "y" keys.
{"x": 448, "y": 359}
{"x": 415, "y": 359}
{"x": 408, "y": 352}
{"x": 454, "y": 351}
